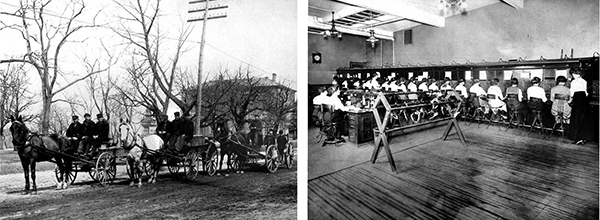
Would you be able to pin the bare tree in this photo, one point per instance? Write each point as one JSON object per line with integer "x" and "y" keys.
{"x": 279, "y": 104}
{"x": 15, "y": 97}
{"x": 216, "y": 93}
{"x": 244, "y": 99}
{"x": 139, "y": 90}
{"x": 143, "y": 31}
{"x": 101, "y": 86}
{"x": 60, "y": 120}
{"x": 44, "y": 37}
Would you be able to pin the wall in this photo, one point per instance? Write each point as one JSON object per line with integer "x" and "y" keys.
{"x": 541, "y": 28}
{"x": 339, "y": 53}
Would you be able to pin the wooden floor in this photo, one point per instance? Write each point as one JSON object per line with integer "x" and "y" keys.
{"x": 499, "y": 175}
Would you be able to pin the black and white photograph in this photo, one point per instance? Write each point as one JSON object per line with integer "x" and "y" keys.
{"x": 148, "y": 109}
{"x": 452, "y": 109}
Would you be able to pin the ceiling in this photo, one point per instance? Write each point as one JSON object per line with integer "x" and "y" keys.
{"x": 387, "y": 16}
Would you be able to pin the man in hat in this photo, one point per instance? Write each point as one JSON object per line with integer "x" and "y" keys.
{"x": 269, "y": 138}
{"x": 163, "y": 126}
{"x": 88, "y": 132}
{"x": 74, "y": 133}
{"x": 102, "y": 131}
{"x": 254, "y": 136}
{"x": 174, "y": 131}
{"x": 187, "y": 127}
{"x": 282, "y": 141}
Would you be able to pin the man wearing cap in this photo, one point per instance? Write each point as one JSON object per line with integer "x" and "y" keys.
{"x": 88, "y": 132}
{"x": 74, "y": 133}
{"x": 102, "y": 131}
{"x": 174, "y": 131}
{"x": 188, "y": 127}
{"x": 255, "y": 136}
{"x": 282, "y": 141}
{"x": 163, "y": 126}
{"x": 269, "y": 139}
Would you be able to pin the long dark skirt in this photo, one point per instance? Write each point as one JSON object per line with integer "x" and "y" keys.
{"x": 579, "y": 129}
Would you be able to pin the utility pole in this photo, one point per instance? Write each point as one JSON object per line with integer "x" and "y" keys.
{"x": 200, "y": 60}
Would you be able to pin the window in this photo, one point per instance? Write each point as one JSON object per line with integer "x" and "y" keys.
{"x": 408, "y": 37}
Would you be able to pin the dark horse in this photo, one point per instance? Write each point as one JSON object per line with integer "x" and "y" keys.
{"x": 30, "y": 150}
{"x": 229, "y": 140}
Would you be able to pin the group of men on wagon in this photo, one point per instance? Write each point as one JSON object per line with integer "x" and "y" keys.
{"x": 175, "y": 132}
{"x": 89, "y": 133}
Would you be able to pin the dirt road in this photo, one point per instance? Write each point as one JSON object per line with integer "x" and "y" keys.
{"x": 254, "y": 194}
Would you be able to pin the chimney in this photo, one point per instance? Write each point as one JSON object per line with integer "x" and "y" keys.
{"x": 274, "y": 77}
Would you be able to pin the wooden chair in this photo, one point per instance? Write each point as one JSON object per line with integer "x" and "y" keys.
{"x": 330, "y": 128}
{"x": 515, "y": 112}
{"x": 560, "y": 116}
{"x": 318, "y": 117}
{"x": 478, "y": 112}
{"x": 494, "y": 116}
{"x": 536, "y": 105}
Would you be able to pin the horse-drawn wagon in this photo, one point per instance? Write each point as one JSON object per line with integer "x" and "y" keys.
{"x": 191, "y": 155}
{"x": 248, "y": 149}
{"x": 101, "y": 166}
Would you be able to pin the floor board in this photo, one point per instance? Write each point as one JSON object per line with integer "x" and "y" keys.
{"x": 498, "y": 175}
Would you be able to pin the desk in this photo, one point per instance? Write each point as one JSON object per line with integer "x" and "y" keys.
{"x": 360, "y": 126}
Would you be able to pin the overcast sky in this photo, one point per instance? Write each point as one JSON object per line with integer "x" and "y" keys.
{"x": 258, "y": 33}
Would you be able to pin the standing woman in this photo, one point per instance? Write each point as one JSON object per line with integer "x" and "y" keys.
{"x": 578, "y": 131}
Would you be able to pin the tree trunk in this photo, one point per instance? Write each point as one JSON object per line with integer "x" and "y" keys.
{"x": 46, "y": 108}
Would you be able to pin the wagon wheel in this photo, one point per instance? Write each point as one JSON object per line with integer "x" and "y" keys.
{"x": 92, "y": 173}
{"x": 105, "y": 168}
{"x": 235, "y": 162}
{"x": 173, "y": 166}
{"x": 211, "y": 161}
{"x": 287, "y": 157}
{"x": 271, "y": 159}
{"x": 72, "y": 174}
{"x": 191, "y": 164}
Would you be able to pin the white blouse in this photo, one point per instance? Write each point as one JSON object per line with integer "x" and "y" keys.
{"x": 578, "y": 85}
{"x": 477, "y": 90}
{"x": 536, "y": 92}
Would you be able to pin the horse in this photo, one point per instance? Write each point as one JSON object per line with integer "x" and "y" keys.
{"x": 139, "y": 149}
{"x": 126, "y": 137}
{"x": 222, "y": 134}
{"x": 228, "y": 139}
{"x": 31, "y": 150}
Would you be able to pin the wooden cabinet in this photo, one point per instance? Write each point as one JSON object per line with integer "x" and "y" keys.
{"x": 360, "y": 127}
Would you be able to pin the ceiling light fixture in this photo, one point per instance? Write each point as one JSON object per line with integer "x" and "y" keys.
{"x": 332, "y": 32}
{"x": 372, "y": 39}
